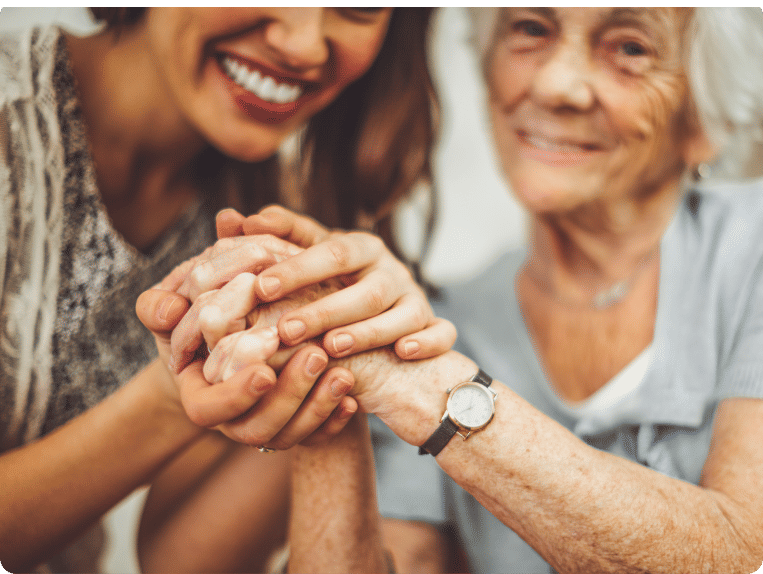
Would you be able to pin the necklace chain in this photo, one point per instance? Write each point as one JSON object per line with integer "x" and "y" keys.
{"x": 602, "y": 299}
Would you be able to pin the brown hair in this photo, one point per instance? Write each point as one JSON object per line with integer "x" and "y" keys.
{"x": 367, "y": 149}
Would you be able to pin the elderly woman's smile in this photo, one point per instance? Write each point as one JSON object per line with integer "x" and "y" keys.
{"x": 587, "y": 104}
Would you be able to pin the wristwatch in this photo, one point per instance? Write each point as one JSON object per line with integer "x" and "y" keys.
{"x": 470, "y": 407}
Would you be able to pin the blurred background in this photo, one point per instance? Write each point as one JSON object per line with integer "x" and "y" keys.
{"x": 477, "y": 220}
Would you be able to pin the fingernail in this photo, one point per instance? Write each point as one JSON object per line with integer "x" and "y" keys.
{"x": 342, "y": 342}
{"x": 315, "y": 364}
{"x": 339, "y": 388}
{"x": 166, "y": 306}
{"x": 270, "y": 286}
{"x": 411, "y": 347}
{"x": 295, "y": 328}
{"x": 346, "y": 413}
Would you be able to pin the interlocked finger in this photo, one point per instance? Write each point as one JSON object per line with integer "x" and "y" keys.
{"x": 225, "y": 310}
{"x": 276, "y": 220}
{"x": 231, "y": 256}
{"x": 273, "y": 412}
{"x": 436, "y": 338}
{"x": 319, "y": 407}
{"x": 235, "y": 351}
{"x": 409, "y": 314}
{"x": 340, "y": 255}
{"x": 211, "y": 405}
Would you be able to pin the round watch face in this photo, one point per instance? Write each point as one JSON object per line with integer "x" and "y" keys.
{"x": 471, "y": 405}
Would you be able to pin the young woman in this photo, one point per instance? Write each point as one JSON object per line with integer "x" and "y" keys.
{"x": 118, "y": 149}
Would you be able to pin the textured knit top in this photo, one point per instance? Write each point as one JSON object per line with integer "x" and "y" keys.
{"x": 68, "y": 280}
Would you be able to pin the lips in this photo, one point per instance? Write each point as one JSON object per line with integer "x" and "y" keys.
{"x": 555, "y": 150}
{"x": 261, "y": 92}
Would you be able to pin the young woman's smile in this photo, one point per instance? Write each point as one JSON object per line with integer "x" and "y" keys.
{"x": 244, "y": 78}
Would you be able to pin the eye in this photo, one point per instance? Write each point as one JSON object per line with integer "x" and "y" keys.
{"x": 525, "y": 34}
{"x": 629, "y": 51}
{"x": 361, "y": 14}
{"x": 531, "y": 28}
{"x": 633, "y": 49}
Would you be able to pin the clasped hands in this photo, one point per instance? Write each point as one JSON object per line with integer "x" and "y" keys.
{"x": 248, "y": 327}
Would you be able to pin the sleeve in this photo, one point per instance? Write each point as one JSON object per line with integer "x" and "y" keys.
{"x": 409, "y": 486}
{"x": 741, "y": 373}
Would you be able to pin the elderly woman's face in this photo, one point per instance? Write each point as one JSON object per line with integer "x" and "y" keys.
{"x": 587, "y": 103}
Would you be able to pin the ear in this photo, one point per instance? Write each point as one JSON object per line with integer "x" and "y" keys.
{"x": 698, "y": 149}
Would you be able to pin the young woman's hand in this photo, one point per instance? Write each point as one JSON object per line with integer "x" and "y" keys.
{"x": 246, "y": 400}
{"x": 380, "y": 303}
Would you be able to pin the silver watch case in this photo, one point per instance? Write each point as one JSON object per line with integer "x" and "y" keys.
{"x": 485, "y": 394}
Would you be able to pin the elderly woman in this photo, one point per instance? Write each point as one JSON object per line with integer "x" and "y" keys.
{"x": 622, "y": 429}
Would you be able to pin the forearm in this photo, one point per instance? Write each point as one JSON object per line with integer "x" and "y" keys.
{"x": 582, "y": 509}
{"x": 335, "y": 525}
{"x": 57, "y": 487}
{"x": 219, "y": 507}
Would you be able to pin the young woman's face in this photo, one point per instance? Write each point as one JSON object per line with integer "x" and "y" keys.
{"x": 245, "y": 78}
{"x": 587, "y": 103}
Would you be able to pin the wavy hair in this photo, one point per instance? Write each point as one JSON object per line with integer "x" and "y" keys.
{"x": 365, "y": 151}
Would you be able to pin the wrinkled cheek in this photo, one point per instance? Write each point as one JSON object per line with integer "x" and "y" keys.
{"x": 658, "y": 111}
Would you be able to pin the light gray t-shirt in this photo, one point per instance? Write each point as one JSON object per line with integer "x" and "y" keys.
{"x": 707, "y": 346}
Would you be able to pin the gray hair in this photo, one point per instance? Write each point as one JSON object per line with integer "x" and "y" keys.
{"x": 724, "y": 64}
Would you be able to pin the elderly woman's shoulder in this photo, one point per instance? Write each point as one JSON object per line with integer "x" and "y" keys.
{"x": 736, "y": 194}
{"x": 727, "y": 215}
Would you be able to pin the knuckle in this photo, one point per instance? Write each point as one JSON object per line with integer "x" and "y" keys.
{"x": 339, "y": 252}
{"x": 376, "y": 298}
{"x": 253, "y": 252}
{"x": 224, "y": 244}
{"x": 317, "y": 317}
{"x": 274, "y": 209}
{"x": 294, "y": 392}
{"x": 370, "y": 241}
{"x": 196, "y": 413}
{"x": 200, "y": 278}
{"x": 323, "y": 411}
{"x": 419, "y": 317}
{"x": 372, "y": 334}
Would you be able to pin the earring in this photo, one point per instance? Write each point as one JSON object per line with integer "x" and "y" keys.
{"x": 702, "y": 171}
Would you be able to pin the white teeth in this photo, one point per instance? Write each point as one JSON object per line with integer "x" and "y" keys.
{"x": 252, "y": 81}
{"x": 549, "y": 145}
{"x": 268, "y": 89}
{"x": 283, "y": 94}
{"x": 263, "y": 87}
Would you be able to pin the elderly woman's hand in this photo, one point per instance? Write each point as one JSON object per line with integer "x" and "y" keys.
{"x": 380, "y": 303}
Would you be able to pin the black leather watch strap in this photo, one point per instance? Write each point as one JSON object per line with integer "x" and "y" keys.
{"x": 483, "y": 378}
{"x": 440, "y": 437}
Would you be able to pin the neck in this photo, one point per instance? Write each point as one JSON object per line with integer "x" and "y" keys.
{"x": 139, "y": 141}
{"x": 595, "y": 254}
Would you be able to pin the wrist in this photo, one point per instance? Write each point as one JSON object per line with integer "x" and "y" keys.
{"x": 408, "y": 396}
{"x": 159, "y": 398}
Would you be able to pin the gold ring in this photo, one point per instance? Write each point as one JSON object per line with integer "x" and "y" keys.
{"x": 265, "y": 449}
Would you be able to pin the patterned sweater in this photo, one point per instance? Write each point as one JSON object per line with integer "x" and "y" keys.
{"x": 68, "y": 280}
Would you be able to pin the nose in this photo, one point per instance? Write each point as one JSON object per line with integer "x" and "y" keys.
{"x": 298, "y": 38}
{"x": 565, "y": 80}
